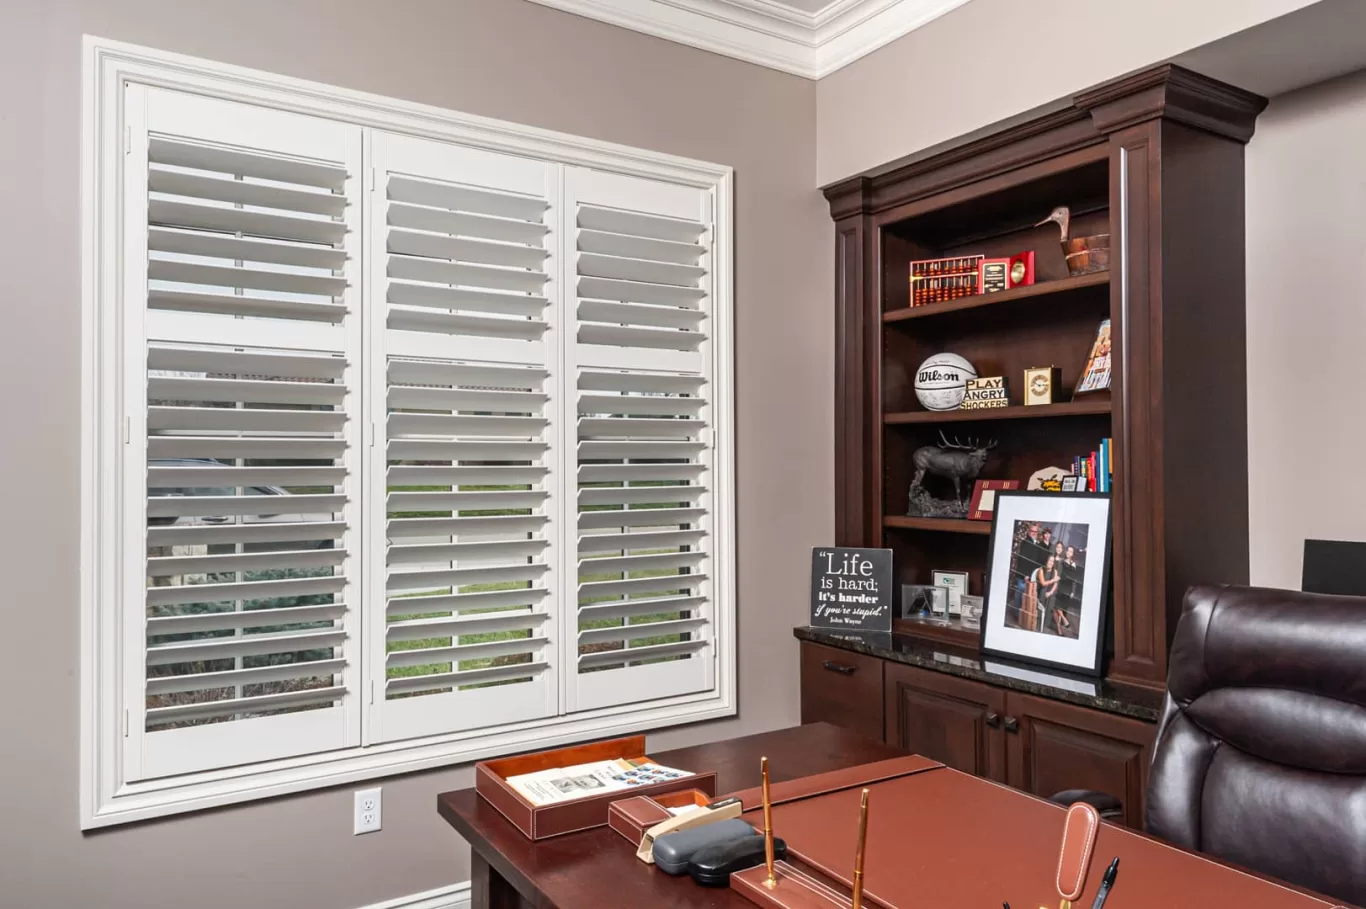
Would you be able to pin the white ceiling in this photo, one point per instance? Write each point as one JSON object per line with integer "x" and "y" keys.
{"x": 810, "y": 38}
{"x": 806, "y": 6}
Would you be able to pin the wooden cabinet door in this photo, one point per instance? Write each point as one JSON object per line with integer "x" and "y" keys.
{"x": 1051, "y": 746}
{"x": 842, "y": 688}
{"x": 952, "y": 720}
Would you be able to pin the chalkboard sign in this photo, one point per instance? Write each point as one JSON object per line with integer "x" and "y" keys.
{"x": 851, "y": 588}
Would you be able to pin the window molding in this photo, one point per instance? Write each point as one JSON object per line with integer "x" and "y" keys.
{"x": 105, "y": 797}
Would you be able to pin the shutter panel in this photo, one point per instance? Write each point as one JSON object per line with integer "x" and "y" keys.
{"x": 641, "y": 363}
{"x": 467, "y": 331}
{"x": 243, "y": 470}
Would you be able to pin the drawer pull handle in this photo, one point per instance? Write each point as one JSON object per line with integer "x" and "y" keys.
{"x": 994, "y": 720}
{"x": 841, "y": 668}
{"x": 1012, "y": 724}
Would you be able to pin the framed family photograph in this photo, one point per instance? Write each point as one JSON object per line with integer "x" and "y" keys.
{"x": 1048, "y": 580}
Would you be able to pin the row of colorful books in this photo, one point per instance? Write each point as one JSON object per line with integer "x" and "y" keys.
{"x": 1095, "y": 469}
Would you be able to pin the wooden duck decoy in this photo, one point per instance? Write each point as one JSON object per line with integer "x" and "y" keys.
{"x": 1061, "y": 216}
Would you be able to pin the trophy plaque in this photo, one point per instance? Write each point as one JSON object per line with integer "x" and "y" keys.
{"x": 1005, "y": 273}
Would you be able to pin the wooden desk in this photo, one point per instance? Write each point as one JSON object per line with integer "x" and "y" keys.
{"x": 597, "y": 868}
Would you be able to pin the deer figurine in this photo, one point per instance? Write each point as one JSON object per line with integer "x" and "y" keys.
{"x": 952, "y": 461}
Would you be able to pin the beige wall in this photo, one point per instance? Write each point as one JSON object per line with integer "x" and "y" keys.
{"x": 501, "y": 58}
{"x": 992, "y": 59}
{"x": 1306, "y": 229}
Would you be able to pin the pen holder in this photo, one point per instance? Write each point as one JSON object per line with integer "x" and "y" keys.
{"x": 1074, "y": 858}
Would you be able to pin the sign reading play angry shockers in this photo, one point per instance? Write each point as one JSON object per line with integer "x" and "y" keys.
{"x": 851, "y": 588}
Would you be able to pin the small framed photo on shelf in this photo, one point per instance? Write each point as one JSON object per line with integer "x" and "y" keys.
{"x": 916, "y": 600}
{"x": 1048, "y": 580}
{"x": 939, "y": 600}
{"x": 984, "y": 497}
{"x": 955, "y": 584}
{"x": 972, "y": 610}
{"x": 925, "y": 602}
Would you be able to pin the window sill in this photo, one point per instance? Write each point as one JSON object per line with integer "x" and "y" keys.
{"x": 160, "y": 798}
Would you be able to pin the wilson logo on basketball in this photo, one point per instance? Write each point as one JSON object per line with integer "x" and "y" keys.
{"x": 941, "y": 381}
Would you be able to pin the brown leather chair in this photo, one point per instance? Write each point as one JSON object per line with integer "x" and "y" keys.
{"x": 1260, "y": 757}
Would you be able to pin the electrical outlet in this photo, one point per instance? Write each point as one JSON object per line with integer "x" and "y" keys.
{"x": 368, "y": 806}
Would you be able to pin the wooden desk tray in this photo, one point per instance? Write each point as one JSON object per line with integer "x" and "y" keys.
{"x": 539, "y": 822}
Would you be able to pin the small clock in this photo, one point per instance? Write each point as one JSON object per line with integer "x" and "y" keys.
{"x": 1042, "y": 384}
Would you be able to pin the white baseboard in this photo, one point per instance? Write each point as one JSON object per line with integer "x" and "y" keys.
{"x": 456, "y": 896}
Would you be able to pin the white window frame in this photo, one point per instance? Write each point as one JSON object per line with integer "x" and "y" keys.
{"x": 107, "y": 797}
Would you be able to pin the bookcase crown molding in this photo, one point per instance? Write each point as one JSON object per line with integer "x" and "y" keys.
{"x": 1174, "y": 93}
{"x": 1168, "y": 91}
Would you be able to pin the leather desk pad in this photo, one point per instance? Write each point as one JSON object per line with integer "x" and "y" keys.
{"x": 845, "y": 778}
{"x": 949, "y": 839}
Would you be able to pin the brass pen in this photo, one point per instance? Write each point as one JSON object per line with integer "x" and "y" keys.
{"x": 771, "y": 881}
{"x": 859, "y": 850}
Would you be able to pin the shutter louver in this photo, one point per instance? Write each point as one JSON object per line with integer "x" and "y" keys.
{"x": 468, "y": 628}
{"x": 251, "y": 348}
{"x": 643, "y": 439}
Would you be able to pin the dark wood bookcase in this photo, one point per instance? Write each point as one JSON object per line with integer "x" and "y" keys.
{"x": 1156, "y": 160}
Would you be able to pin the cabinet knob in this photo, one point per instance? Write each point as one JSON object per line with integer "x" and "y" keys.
{"x": 1012, "y": 724}
{"x": 994, "y": 720}
{"x": 841, "y": 668}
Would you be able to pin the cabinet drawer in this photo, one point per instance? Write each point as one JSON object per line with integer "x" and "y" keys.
{"x": 842, "y": 688}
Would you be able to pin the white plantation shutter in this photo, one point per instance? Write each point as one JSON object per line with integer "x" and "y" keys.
{"x": 465, "y": 325}
{"x": 243, "y": 333}
{"x": 640, "y": 361}
{"x": 397, "y": 450}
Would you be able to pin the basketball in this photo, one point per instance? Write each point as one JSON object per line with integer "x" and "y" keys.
{"x": 942, "y": 380}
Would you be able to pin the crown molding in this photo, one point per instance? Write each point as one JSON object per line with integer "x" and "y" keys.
{"x": 767, "y": 32}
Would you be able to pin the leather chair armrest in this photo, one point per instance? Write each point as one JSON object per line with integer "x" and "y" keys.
{"x": 1106, "y": 805}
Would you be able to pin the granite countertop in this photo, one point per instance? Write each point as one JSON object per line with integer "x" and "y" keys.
{"x": 1140, "y": 703}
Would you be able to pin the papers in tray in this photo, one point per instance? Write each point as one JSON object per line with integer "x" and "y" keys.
{"x": 562, "y": 784}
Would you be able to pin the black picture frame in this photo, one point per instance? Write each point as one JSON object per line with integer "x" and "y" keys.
{"x": 1092, "y": 662}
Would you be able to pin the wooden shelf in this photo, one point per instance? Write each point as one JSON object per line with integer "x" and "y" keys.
{"x": 1045, "y": 289}
{"x": 943, "y": 525}
{"x": 1085, "y": 407}
{"x": 955, "y": 633}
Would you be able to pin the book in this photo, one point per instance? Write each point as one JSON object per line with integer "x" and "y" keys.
{"x": 1095, "y": 374}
